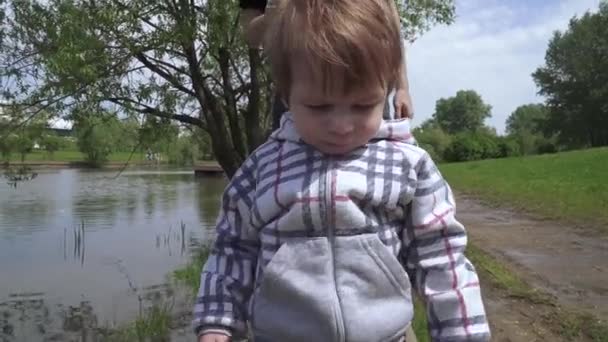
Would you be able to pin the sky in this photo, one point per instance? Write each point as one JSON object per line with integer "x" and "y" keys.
{"x": 493, "y": 47}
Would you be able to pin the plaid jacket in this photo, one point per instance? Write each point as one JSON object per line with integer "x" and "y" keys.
{"x": 292, "y": 203}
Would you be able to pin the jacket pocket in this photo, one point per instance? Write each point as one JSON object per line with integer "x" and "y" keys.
{"x": 374, "y": 290}
{"x": 388, "y": 264}
{"x": 296, "y": 299}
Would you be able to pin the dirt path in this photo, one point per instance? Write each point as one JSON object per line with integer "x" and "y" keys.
{"x": 566, "y": 262}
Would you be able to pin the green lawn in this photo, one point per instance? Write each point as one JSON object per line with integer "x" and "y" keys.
{"x": 74, "y": 156}
{"x": 570, "y": 185}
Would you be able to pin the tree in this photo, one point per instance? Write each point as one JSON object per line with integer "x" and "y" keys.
{"x": 575, "y": 81}
{"x": 51, "y": 143}
{"x": 24, "y": 146}
{"x": 129, "y": 137}
{"x": 178, "y": 60}
{"x": 158, "y": 135}
{"x": 525, "y": 126}
{"x": 528, "y": 117}
{"x": 7, "y": 146}
{"x": 464, "y": 112}
{"x": 96, "y": 136}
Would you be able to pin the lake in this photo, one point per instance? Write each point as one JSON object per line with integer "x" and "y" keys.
{"x": 72, "y": 239}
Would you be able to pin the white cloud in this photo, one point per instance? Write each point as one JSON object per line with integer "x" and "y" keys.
{"x": 492, "y": 48}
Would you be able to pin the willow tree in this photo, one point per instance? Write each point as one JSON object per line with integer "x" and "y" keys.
{"x": 183, "y": 60}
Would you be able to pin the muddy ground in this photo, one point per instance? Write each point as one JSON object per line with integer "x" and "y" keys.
{"x": 568, "y": 262}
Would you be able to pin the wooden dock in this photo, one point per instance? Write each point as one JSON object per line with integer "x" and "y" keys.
{"x": 207, "y": 169}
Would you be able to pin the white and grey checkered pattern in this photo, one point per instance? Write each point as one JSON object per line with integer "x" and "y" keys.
{"x": 286, "y": 190}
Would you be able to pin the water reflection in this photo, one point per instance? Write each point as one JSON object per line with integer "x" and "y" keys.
{"x": 209, "y": 205}
{"x": 29, "y": 317}
{"x": 70, "y": 237}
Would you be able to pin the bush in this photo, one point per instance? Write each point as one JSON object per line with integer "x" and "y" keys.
{"x": 52, "y": 143}
{"x": 547, "y": 147}
{"x": 434, "y": 140}
{"x": 96, "y": 138}
{"x": 489, "y": 145}
{"x": 182, "y": 152}
{"x": 8, "y": 145}
{"x": 464, "y": 147}
{"x": 508, "y": 147}
{"x": 24, "y": 145}
{"x": 431, "y": 151}
{"x": 480, "y": 145}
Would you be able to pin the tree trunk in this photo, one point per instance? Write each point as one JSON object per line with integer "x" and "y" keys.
{"x": 230, "y": 99}
{"x": 253, "y": 126}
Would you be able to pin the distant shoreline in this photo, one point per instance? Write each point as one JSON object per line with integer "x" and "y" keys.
{"x": 76, "y": 164}
{"x": 209, "y": 166}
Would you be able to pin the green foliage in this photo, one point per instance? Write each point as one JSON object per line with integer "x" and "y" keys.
{"x": 24, "y": 144}
{"x": 433, "y": 139}
{"x": 158, "y": 134}
{"x": 181, "y": 61}
{"x": 417, "y": 16}
{"x": 525, "y": 126}
{"x": 527, "y": 118}
{"x": 464, "y": 147}
{"x": 183, "y": 151}
{"x": 129, "y": 137}
{"x": 574, "y": 80}
{"x": 8, "y": 145}
{"x": 96, "y": 137}
{"x": 477, "y": 145}
{"x": 20, "y": 137}
{"x": 190, "y": 275}
{"x": 508, "y": 147}
{"x": 52, "y": 143}
{"x": 151, "y": 326}
{"x": 547, "y": 146}
{"x": 464, "y": 112}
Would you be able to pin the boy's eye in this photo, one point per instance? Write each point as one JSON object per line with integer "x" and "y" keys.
{"x": 320, "y": 107}
{"x": 365, "y": 107}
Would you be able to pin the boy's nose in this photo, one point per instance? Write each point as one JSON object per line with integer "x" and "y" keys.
{"x": 341, "y": 125}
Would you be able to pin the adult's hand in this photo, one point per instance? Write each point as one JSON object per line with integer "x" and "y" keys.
{"x": 214, "y": 338}
{"x": 403, "y": 104}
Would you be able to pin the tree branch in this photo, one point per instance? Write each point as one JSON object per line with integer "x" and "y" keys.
{"x": 145, "y": 109}
{"x": 159, "y": 71}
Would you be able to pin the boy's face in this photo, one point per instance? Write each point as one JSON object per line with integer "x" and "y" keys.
{"x": 334, "y": 121}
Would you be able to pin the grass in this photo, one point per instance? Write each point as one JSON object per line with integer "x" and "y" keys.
{"x": 503, "y": 278}
{"x": 568, "y": 323}
{"x": 190, "y": 275}
{"x": 74, "y": 156}
{"x": 568, "y": 186}
{"x": 420, "y": 323}
{"x": 152, "y": 326}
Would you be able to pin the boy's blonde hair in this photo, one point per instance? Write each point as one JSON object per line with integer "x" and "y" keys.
{"x": 346, "y": 43}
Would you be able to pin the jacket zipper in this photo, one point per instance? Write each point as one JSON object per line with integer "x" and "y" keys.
{"x": 331, "y": 226}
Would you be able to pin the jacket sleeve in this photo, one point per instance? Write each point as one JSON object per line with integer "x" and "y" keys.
{"x": 228, "y": 275}
{"x": 442, "y": 275}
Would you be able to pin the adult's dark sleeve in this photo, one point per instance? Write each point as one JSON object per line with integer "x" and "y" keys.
{"x": 253, "y": 4}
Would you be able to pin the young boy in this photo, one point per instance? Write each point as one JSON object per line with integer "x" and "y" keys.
{"x": 325, "y": 225}
{"x": 256, "y": 16}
